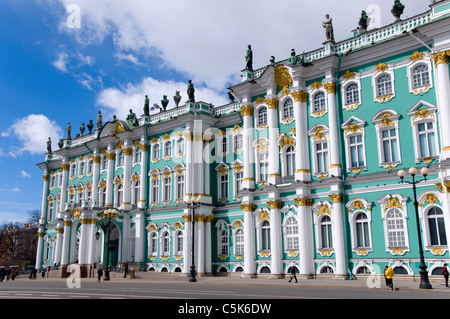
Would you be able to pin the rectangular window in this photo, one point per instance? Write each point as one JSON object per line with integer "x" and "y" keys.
{"x": 390, "y": 145}
{"x": 356, "y": 151}
{"x": 322, "y": 157}
{"x": 427, "y": 142}
{"x": 167, "y": 186}
{"x": 155, "y": 191}
{"x": 180, "y": 186}
{"x": 224, "y": 186}
{"x": 239, "y": 178}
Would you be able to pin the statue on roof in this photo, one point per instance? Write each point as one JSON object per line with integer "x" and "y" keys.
{"x": 272, "y": 60}
{"x": 164, "y": 102}
{"x": 249, "y": 58}
{"x": 190, "y": 91}
{"x": 90, "y": 126}
{"x": 363, "y": 21}
{"x": 293, "y": 58}
{"x": 61, "y": 143}
{"x": 147, "y": 106}
{"x": 99, "y": 120}
{"x": 177, "y": 98}
{"x": 328, "y": 25}
{"x": 68, "y": 130}
{"x": 82, "y": 128}
{"x": 49, "y": 146}
{"x": 397, "y": 10}
{"x": 132, "y": 119}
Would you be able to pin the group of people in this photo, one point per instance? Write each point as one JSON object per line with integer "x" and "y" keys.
{"x": 8, "y": 274}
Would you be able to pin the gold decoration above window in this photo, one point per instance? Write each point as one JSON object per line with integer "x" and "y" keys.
{"x": 393, "y": 203}
{"x": 323, "y": 209}
{"x": 381, "y": 67}
{"x": 282, "y": 76}
{"x": 263, "y": 216}
{"x": 348, "y": 75}
{"x": 316, "y": 85}
{"x": 416, "y": 56}
{"x": 431, "y": 198}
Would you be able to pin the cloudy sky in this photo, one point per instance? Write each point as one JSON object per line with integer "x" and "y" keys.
{"x": 63, "y": 60}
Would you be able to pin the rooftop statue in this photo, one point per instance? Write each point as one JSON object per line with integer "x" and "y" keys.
{"x": 68, "y": 130}
{"x": 190, "y": 92}
{"x": 61, "y": 143}
{"x": 292, "y": 59}
{"x": 272, "y": 60}
{"x": 82, "y": 128}
{"x": 49, "y": 145}
{"x": 363, "y": 21}
{"x": 328, "y": 25}
{"x": 249, "y": 58}
{"x": 147, "y": 106}
{"x": 177, "y": 98}
{"x": 132, "y": 119}
{"x": 90, "y": 126}
{"x": 164, "y": 102}
{"x": 397, "y": 10}
{"x": 99, "y": 120}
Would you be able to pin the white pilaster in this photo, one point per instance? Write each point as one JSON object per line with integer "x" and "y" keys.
{"x": 249, "y": 240}
{"x": 339, "y": 236}
{"x": 443, "y": 98}
{"x": 274, "y": 154}
{"x": 247, "y": 140}
{"x": 275, "y": 238}
{"x": 335, "y": 157}
{"x": 303, "y": 172}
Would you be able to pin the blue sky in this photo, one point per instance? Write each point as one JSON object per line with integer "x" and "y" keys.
{"x": 63, "y": 60}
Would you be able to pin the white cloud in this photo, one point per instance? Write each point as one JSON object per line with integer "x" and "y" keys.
{"x": 119, "y": 101}
{"x": 61, "y": 62}
{"x": 128, "y": 57}
{"x": 207, "y": 39}
{"x": 33, "y": 132}
{"x": 24, "y": 174}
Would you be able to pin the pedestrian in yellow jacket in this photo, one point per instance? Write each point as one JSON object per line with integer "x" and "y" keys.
{"x": 389, "y": 275}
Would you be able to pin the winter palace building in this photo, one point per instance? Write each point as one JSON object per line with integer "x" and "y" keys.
{"x": 299, "y": 170}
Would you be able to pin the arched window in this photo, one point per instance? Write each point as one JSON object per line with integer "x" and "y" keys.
{"x": 265, "y": 235}
{"x": 288, "y": 109}
{"x": 351, "y": 93}
{"x": 153, "y": 244}
{"x": 82, "y": 168}
{"x": 137, "y": 155}
{"x": 223, "y": 240}
{"x": 262, "y": 116}
{"x": 120, "y": 159}
{"x": 384, "y": 85}
{"x": 436, "y": 227}
{"x": 165, "y": 244}
{"x": 326, "y": 237}
{"x": 90, "y": 168}
{"x": 119, "y": 195}
{"x": 290, "y": 161}
{"x": 136, "y": 192}
{"x": 156, "y": 152}
{"x": 180, "y": 146}
{"x": 179, "y": 243}
{"x": 420, "y": 76}
{"x": 319, "y": 101}
{"x": 239, "y": 241}
{"x": 238, "y": 142}
{"x": 362, "y": 230}
{"x": 168, "y": 149}
{"x": 395, "y": 228}
{"x": 291, "y": 234}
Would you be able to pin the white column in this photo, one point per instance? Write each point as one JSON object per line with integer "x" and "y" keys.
{"x": 443, "y": 98}
{"x": 65, "y": 178}
{"x": 187, "y": 242}
{"x": 125, "y": 238}
{"x": 59, "y": 240}
{"x": 305, "y": 236}
{"x": 40, "y": 247}
{"x": 208, "y": 256}
{"x": 303, "y": 172}
{"x": 66, "y": 240}
{"x": 189, "y": 166}
{"x": 200, "y": 243}
{"x": 247, "y": 139}
{"x": 95, "y": 177}
{"x": 144, "y": 177}
{"x": 110, "y": 155}
{"x": 339, "y": 236}
{"x": 128, "y": 153}
{"x": 275, "y": 238}
{"x": 140, "y": 233}
{"x": 335, "y": 157}
{"x": 42, "y": 222}
{"x": 198, "y": 169}
{"x": 84, "y": 241}
{"x": 249, "y": 241}
{"x": 274, "y": 154}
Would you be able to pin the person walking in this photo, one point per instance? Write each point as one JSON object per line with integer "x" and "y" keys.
{"x": 293, "y": 276}
{"x": 445, "y": 274}
{"x": 389, "y": 273}
{"x": 99, "y": 274}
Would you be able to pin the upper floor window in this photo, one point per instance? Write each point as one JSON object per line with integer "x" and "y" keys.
{"x": 351, "y": 93}
{"x": 238, "y": 143}
{"x": 137, "y": 155}
{"x": 384, "y": 85}
{"x": 356, "y": 151}
{"x": 290, "y": 161}
{"x": 262, "y": 116}
{"x": 168, "y": 149}
{"x": 427, "y": 140}
{"x": 420, "y": 76}
{"x": 156, "y": 154}
{"x": 120, "y": 159}
{"x": 319, "y": 101}
{"x": 288, "y": 109}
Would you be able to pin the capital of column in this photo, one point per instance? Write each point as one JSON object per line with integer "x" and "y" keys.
{"x": 441, "y": 57}
{"x": 300, "y": 96}
{"x": 275, "y": 204}
{"x": 247, "y": 110}
{"x": 336, "y": 197}
{"x": 128, "y": 151}
{"x": 110, "y": 156}
{"x": 247, "y": 207}
{"x": 330, "y": 87}
{"x": 303, "y": 201}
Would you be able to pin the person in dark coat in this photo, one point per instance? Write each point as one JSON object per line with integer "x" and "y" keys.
{"x": 293, "y": 276}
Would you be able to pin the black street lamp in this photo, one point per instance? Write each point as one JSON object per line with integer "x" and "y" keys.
{"x": 193, "y": 202}
{"x": 424, "y": 282}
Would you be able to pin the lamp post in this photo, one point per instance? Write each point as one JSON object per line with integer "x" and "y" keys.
{"x": 424, "y": 282}
{"x": 193, "y": 202}
{"x": 108, "y": 213}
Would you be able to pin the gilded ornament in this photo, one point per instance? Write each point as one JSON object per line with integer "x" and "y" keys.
{"x": 336, "y": 198}
{"x": 128, "y": 151}
{"x": 416, "y": 56}
{"x": 358, "y": 204}
{"x": 393, "y": 203}
{"x": 272, "y": 104}
{"x": 110, "y": 156}
{"x": 246, "y": 110}
{"x": 330, "y": 87}
{"x": 276, "y": 204}
{"x": 381, "y": 67}
{"x": 319, "y": 135}
{"x": 263, "y": 216}
{"x": 300, "y": 96}
{"x": 316, "y": 85}
{"x": 323, "y": 209}
{"x": 247, "y": 207}
{"x": 348, "y": 75}
{"x": 303, "y": 201}
{"x": 431, "y": 198}
{"x": 282, "y": 76}
{"x": 440, "y": 57}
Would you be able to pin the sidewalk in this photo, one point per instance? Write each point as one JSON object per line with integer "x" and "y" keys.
{"x": 362, "y": 283}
